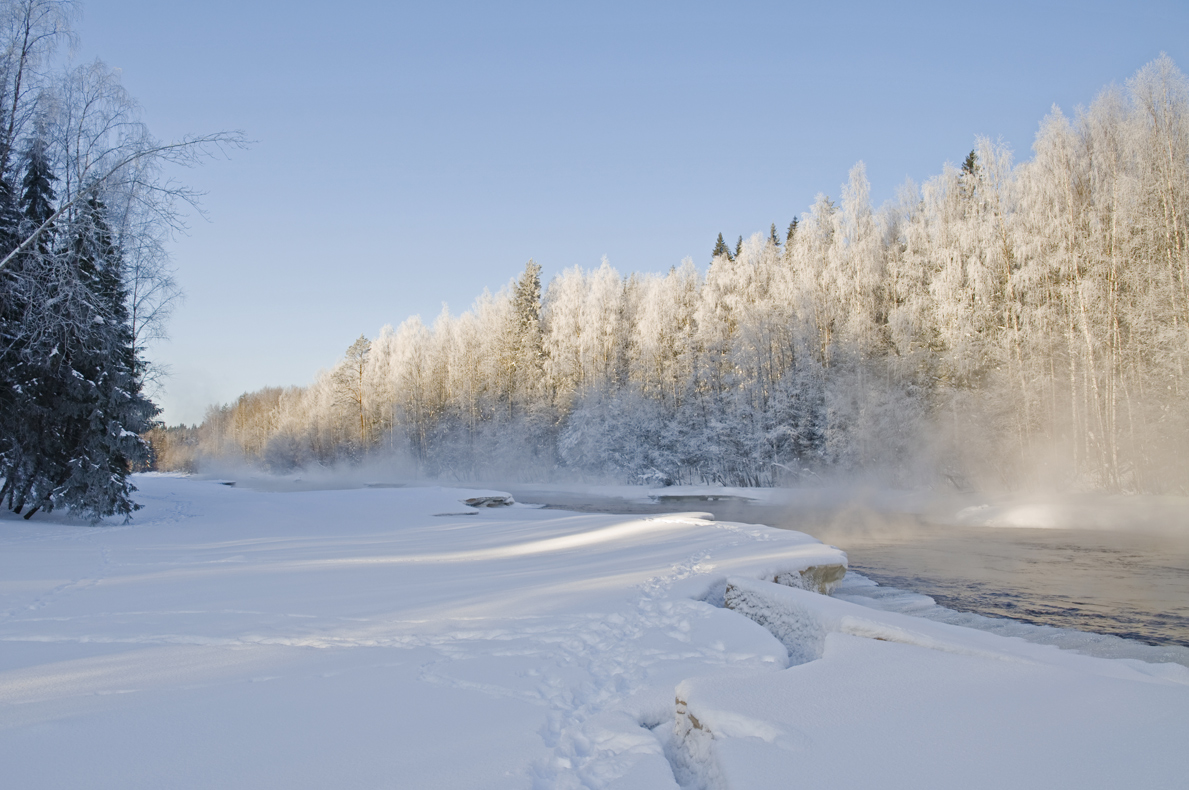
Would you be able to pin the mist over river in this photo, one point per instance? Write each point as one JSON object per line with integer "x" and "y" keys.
{"x": 1131, "y": 584}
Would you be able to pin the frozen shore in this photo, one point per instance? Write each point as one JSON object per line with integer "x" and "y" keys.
{"x": 397, "y": 637}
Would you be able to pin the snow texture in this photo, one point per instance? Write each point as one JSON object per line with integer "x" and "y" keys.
{"x": 239, "y": 638}
{"x": 881, "y": 699}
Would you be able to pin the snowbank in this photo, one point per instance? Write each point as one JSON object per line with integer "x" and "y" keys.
{"x": 877, "y": 699}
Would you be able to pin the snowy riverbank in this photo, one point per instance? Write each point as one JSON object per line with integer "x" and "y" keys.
{"x": 394, "y": 637}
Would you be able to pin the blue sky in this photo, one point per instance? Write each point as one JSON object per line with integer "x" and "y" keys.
{"x": 408, "y": 155}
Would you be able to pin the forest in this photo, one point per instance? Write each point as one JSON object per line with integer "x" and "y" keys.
{"x": 1003, "y": 325}
{"x": 86, "y": 212}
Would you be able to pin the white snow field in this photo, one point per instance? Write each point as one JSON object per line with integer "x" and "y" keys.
{"x": 396, "y": 638}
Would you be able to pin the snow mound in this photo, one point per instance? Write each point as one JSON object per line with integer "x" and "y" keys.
{"x": 895, "y": 701}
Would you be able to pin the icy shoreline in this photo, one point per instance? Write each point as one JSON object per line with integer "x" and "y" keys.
{"x": 240, "y": 638}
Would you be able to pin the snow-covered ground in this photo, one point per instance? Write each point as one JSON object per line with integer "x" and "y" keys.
{"x": 394, "y": 637}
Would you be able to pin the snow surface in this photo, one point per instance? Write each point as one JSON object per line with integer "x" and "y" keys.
{"x": 239, "y": 638}
{"x": 885, "y": 700}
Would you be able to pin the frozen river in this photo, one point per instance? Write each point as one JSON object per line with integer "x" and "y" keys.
{"x": 1133, "y": 585}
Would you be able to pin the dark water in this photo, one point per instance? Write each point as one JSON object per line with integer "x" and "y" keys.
{"x": 1129, "y": 584}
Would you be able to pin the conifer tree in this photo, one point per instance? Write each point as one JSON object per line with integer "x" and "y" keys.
{"x": 970, "y": 164}
{"x": 33, "y": 458}
{"x": 108, "y": 409}
{"x": 71, "y": 432}
{"x": 720, "y": 248}
{"x": 792, "y": 231}
{"x": 738, "y": 248}
{"x": 772, "y": 237}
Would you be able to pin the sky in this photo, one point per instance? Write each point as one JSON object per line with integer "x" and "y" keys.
{"x": 407, "y": 156}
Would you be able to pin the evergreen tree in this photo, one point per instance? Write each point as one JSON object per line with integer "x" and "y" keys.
{"x": 106, "y": 411}
{"x": 32, "y": 461}
{"x": 738, "y": 248}
{"x": 772, "y": 237}
{"x": 10, "y": 318}
{"x": 970, "y": 164}
{"x": 37, "y": 188}
{"x": 969, "y": 174}
{"x": 792, "y": 231}
{"x": 71, "y": 430}
{"x": 720, "y": 248}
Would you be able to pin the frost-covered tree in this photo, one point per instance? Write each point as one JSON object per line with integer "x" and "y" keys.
{"x": 350, "y": 385}
{"x": 1003, "y": 323}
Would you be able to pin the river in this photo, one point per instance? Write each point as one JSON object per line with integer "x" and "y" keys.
{"x": 1133, "y": 585}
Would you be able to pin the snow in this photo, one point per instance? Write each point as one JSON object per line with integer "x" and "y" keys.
{"x": 889, "y": 701}
{"x": 231, "y": 637}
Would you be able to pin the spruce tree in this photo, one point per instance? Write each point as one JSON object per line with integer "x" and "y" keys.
{"x": 10, "y": 321}
{"x": 969, "y": 174}
{"x": 970, "y": 164}
{"x": 33, "y": 457}
{"x": 720, "y": 248}
{"x": 106, "y": 411}
{"x": 37, "y": 189}
{"x": 792, "y": 231}
{"x": 738, "y": 248}
{"x": 772, "y": 237}
{"x": 70, "y": 428}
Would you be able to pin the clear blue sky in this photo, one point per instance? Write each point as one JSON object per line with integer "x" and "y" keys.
{"x": 410, "y": 154}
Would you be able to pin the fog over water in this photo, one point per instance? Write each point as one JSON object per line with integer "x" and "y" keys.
{"x": 1128, "y": 583}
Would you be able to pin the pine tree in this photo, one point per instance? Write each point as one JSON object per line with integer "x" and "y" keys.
{"x": 772, "y": 237}
{"x": 738, "y": 248}
{"x": 792, "y": 231}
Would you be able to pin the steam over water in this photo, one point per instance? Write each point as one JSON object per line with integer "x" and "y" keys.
{"x": 1130, "y": 585}
{"x": 1127, "y": 584}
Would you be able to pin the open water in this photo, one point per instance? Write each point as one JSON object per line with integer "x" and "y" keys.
{"x": 1128, "y": 584}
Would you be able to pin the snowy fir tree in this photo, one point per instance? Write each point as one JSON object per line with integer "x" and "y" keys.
{"x": 83, "y": 212}
{"x": 72, "y": 430}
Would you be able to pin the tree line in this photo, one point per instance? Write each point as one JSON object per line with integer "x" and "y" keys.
{"x": 85, "y": 282}
{"x": 998, "y": 325}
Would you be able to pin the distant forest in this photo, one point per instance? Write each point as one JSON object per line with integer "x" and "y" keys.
{"x": 1000, "y": 326}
